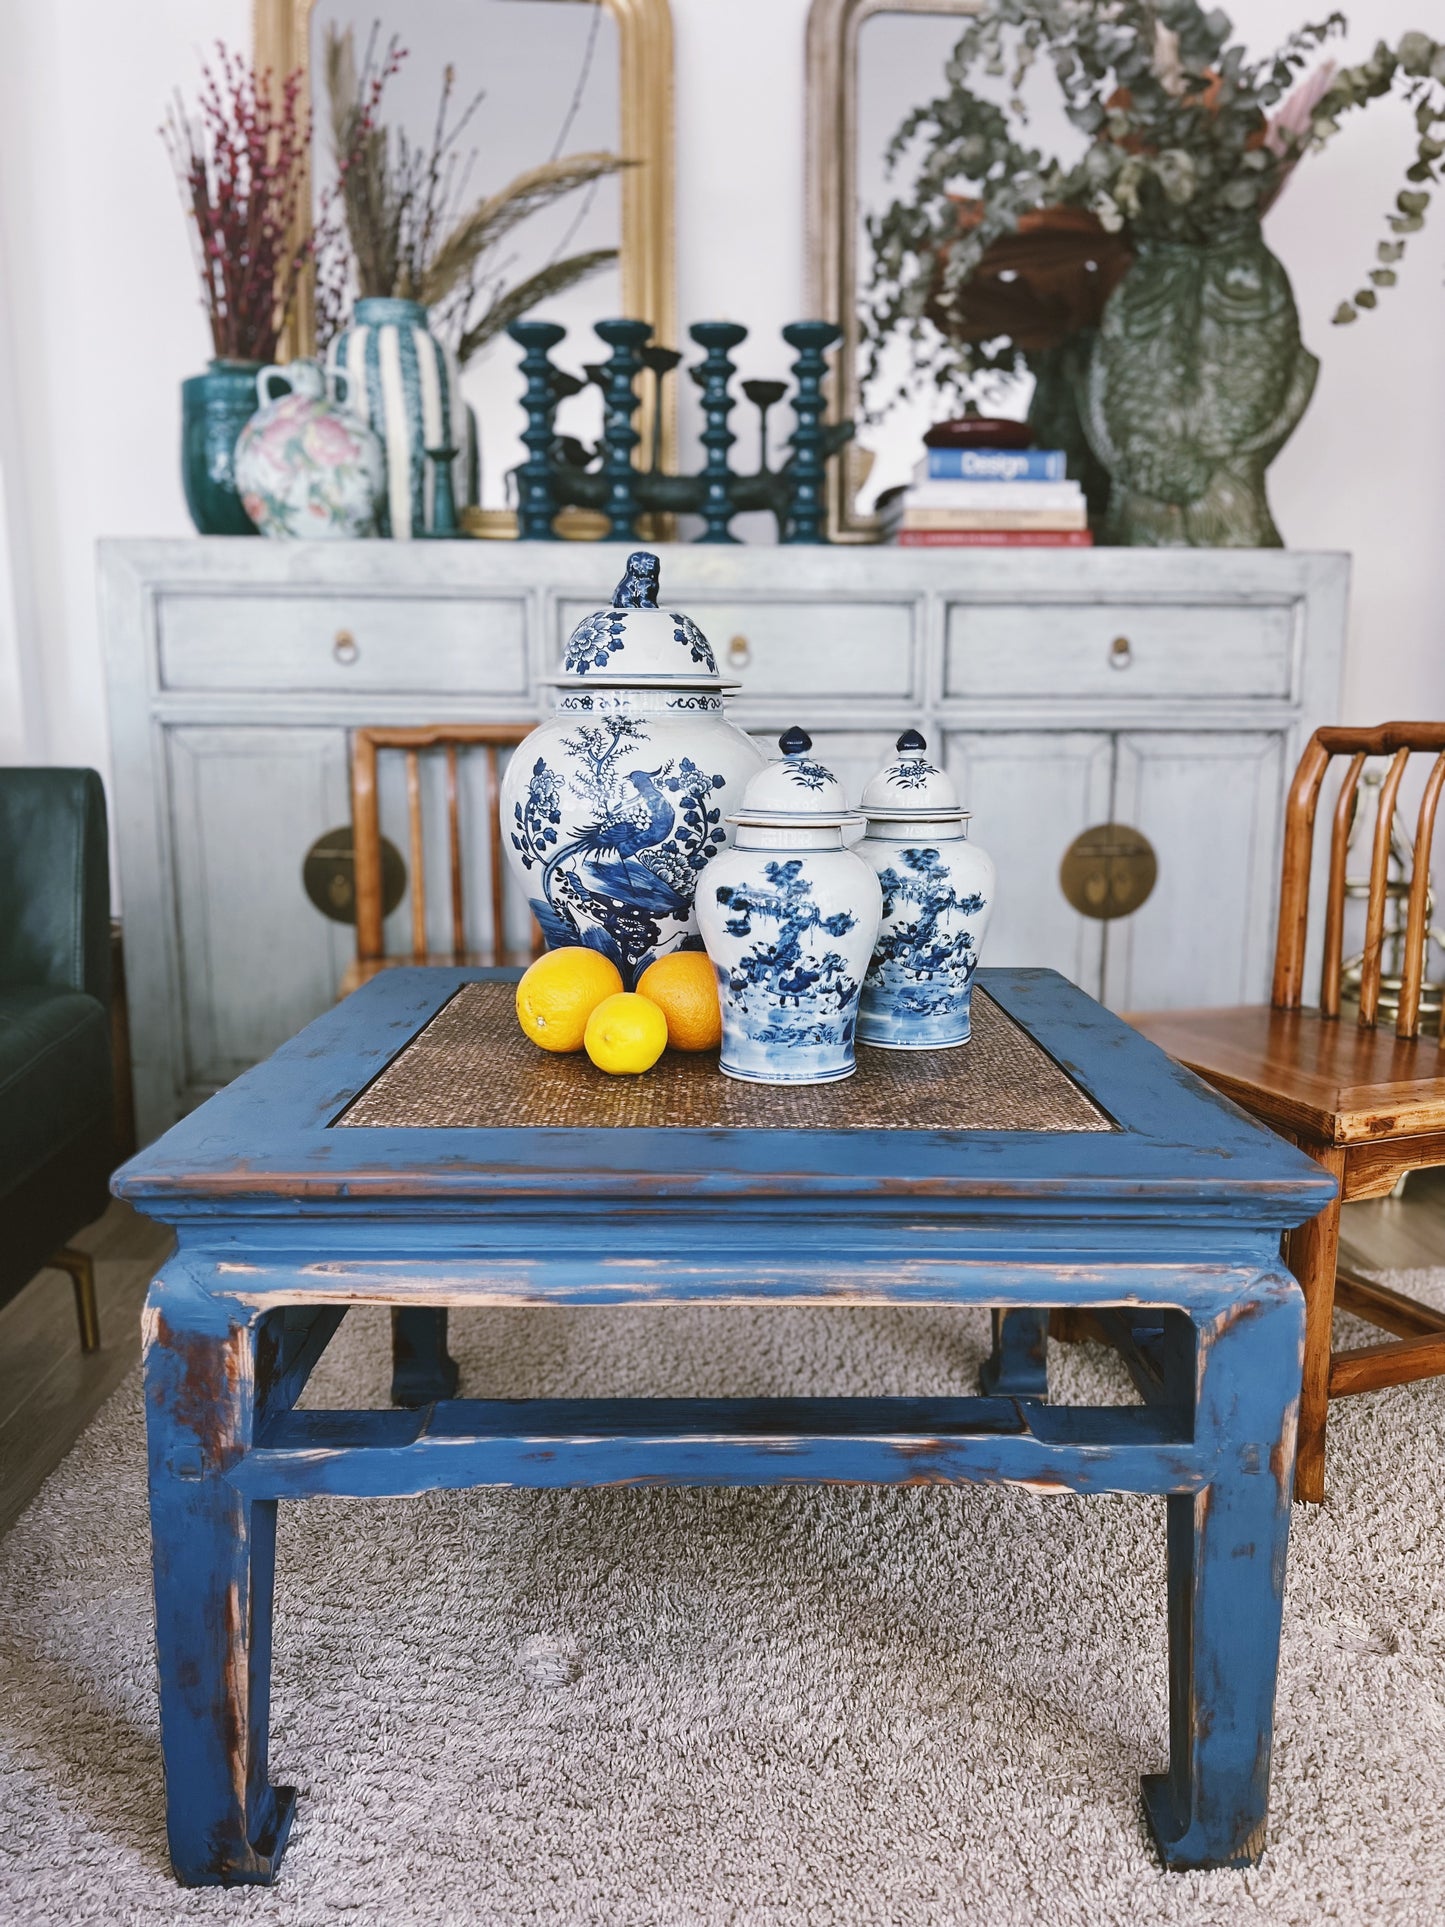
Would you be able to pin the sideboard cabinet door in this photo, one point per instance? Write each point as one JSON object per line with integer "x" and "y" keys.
{"x": 256, "y": 960}
{"x": 1211, "y": 804}
{"x": 1032, "y": 792}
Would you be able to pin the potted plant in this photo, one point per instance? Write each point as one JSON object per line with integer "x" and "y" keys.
{"x": 1188, "y": 375}
{"x": 241, "y": 163}
{"x": 423, "y": 253}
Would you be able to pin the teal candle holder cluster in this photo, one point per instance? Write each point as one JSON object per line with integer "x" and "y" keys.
{"x": 560, "y": 472}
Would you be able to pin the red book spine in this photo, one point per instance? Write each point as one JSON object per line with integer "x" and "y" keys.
{"x": 994, "y": 539}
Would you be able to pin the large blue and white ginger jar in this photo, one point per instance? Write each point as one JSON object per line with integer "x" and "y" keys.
{"x": 789, "y": 917}
{"x": 406, "y": 384}
{"x": 613, "y": 809}
{"x": 938, "y": 892}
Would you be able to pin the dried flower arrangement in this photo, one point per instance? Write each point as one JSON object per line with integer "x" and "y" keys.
{"x": 242, "y": 163}
{"x": 413, "y": 229}
{"x": 1190, "y": 141}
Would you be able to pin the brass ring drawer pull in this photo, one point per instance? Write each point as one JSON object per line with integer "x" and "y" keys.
{"x": 1121, "y": 653}
{"x": 345, "y": 647}
{"x": 740, "y": 652}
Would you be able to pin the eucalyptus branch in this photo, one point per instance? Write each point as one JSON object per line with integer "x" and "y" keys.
{"x": 1189, "y": 140}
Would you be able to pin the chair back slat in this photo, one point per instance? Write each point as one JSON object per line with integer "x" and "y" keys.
{"x": 1379, "y": 889}
{"x": 491, "y": 741}
{"x": 418, "y": 854}
{"x": 366, "y": 848}
{"x": 454, "y": 854}
{"x": 497, "y": 873}
{"x": 1398, "y": 741}
{"x": 1417, "y": 919}
{"x": 1334, "y": 956}
{"x": 1294, "y": 893}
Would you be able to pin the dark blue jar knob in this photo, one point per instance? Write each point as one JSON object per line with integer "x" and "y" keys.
{"x": 910, "y": 739}
{"x": 795, "y": 741}
{"x": 640, "y": 583}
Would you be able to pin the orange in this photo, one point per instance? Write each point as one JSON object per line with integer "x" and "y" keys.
{"x": 684, "y": 988}
{"x": 626, "y": 1034}
{"x": 560, "y": 992}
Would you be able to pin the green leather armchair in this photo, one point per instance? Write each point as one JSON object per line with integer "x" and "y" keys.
{"x": 56, "y": 1107}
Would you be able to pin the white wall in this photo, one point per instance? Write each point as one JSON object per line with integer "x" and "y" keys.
{"x": 101, "y": 322}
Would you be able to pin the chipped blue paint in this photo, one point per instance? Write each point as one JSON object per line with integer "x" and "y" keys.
{"x": 1173, "y": 1218}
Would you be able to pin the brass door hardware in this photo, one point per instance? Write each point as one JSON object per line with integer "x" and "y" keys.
{"x": 1108, "y": 871}
{"x": 345, "y": 648}
{"x": 1121, "y": 653}
{"x": 328, "y": 874}
{"x": 740, "y": 652}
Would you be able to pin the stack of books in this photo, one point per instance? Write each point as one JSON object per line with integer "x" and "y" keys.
{"x": 988, "y": 498}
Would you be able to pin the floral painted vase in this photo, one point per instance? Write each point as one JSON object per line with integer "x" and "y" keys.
{"x": 307, "y": 468}
{"x": 938, "y": 891}
{"x": 614, "y": 808}
{"x": 407, "y": 385}
{"x": 789, "y": 917}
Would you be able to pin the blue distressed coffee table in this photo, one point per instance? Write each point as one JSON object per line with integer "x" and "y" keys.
{"x": 410, "y": 1149}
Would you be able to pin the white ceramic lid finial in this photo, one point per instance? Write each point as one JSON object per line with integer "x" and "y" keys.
{"x": 910, "y": 788}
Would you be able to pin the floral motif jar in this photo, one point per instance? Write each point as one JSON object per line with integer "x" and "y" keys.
{"x": 306, "y": 467}
{"x": 614, "y": 807}
{"x": 789, "y": 917}
{"x": 938, "y": 891}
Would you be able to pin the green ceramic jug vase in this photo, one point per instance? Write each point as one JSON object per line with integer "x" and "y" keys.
{"x": 215, "y": 407}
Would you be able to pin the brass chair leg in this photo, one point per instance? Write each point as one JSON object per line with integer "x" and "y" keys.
{"x": 81, "y": 1267}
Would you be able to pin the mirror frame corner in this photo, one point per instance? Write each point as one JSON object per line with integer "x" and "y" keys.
{"x": 281, "y": 37}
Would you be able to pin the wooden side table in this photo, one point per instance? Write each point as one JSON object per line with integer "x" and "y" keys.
{"x": 411, "y": 1149}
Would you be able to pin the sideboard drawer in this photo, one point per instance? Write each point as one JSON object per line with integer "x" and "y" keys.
{"x": 1120, "y": 651}
{"x": 340, "y": 644}
{"x": 801, "y": 650}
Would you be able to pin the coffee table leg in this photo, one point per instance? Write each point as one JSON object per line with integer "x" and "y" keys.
{"x": 1018, "y": 1366}
{"x": 214, "y": 1560}
{"x": 1227, "y": 1549}
{"x": 422, "y": 1369}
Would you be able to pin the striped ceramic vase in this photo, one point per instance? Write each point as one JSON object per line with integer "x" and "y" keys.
{"x": 407, "y": 385}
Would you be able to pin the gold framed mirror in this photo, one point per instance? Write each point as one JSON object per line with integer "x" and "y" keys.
{"x": 868, "y": 63}
{"x": 632, "y": 73}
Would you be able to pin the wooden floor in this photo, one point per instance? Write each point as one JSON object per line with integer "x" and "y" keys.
{"x": 50, "y": 1390}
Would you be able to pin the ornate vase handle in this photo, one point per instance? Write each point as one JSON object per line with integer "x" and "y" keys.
{"x": 273, "y": 370}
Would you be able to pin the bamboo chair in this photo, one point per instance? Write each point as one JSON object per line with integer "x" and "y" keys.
{"x": 448, "y": 740}
{"x": 1367, "y": 1105}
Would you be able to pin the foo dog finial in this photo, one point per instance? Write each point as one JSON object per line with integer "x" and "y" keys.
{"x": 639, "y": 585}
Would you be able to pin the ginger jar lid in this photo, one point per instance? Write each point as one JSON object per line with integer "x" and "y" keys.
{"x": 910, "y": 788}
{"x": 635, "y": 642}
{"x": 797, "y": 791}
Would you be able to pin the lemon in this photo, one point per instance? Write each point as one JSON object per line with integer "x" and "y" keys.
{"x": 684, "y": 988}
{"x": 626, "y": 1034}
{"x": 560, "y": 992}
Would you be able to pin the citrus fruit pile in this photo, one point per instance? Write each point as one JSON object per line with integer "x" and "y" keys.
{"x": 572, "y": 999}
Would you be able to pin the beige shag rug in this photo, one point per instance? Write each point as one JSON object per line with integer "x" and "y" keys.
{"x": 767, "y": 1708}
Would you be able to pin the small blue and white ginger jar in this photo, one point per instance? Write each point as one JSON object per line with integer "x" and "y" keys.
{"x": 938, "y": 892}
{"x": 613, "y": 809}
{"x": 789, "y": 917}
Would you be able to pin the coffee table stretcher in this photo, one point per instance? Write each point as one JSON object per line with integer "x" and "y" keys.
{"x": 238, "y": 1318}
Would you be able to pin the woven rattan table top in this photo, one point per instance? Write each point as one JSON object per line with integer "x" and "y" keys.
{"x": 472, "y": 1068}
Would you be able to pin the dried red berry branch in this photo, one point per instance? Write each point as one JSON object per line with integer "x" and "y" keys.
{"x": 242, "y": 161}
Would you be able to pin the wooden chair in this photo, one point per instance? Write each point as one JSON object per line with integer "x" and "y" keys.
{"x": 449, "y": 740}
{"x": 1368, "y": 1105}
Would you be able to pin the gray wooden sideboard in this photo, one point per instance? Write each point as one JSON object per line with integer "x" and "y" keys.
{"x": 1170, "y": 691}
